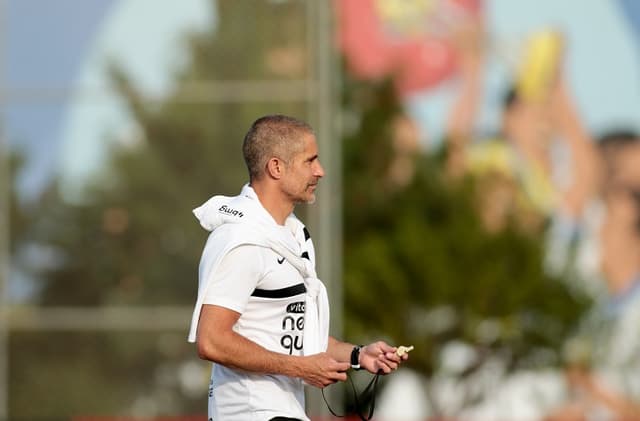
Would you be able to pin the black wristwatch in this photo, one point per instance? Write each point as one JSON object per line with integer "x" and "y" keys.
{"x": 355, "y": 357}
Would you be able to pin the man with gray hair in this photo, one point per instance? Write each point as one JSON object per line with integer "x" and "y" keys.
{"x": 262, "y": 315}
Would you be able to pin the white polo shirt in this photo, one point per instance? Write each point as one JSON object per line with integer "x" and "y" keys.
{"x": 269, "y": 293}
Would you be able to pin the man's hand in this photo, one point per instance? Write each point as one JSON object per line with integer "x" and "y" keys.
{"x": 321, "y": 370}
{"x": 379, "y": 356}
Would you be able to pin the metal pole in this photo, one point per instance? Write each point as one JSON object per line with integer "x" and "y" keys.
{"x": 326, "y": 215}
{"x": 208, "y": 92}
{"x": 5, "y": 174}
{"x": 4, "y": 276}
{"x": 330, "y": 218}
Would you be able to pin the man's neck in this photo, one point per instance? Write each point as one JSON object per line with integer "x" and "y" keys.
{"x": 271, "y": 199}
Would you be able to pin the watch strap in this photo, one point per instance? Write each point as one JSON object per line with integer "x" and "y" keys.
{"x": 355, "y": 357}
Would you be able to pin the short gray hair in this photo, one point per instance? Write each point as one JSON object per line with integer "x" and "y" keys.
{"x": 272, "y": 135}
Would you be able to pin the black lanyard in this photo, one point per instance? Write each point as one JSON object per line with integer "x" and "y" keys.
{"x": 373, "y": 384}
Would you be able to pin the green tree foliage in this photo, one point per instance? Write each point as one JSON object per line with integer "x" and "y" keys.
{"x": 19, "y": 214}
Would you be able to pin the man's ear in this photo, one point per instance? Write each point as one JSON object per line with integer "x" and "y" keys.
{"x": 275, "y": 168}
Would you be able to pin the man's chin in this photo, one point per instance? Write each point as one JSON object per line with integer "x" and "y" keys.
{"x": 308, "y": 200}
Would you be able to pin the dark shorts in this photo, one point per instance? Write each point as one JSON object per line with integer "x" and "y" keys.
{"x": 283, "y": 419}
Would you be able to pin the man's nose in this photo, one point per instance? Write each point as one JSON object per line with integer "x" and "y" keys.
{"x": 319, "y": 171}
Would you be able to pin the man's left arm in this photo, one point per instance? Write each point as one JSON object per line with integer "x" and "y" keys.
{"x": 375, "y": 357}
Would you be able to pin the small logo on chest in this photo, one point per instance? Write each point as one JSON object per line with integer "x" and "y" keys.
{"x": 281, "y": 260}
{"x": 297, "y": 307}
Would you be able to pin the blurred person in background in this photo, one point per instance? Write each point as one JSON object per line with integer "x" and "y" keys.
{"x": 519, "y": 177}
{"x": 620, "y": 196}
{"x": 604, "y": 359}
{"x": 262, "y": 315}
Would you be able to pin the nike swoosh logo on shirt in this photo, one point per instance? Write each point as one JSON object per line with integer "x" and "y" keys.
{"x": 281, "y": 261}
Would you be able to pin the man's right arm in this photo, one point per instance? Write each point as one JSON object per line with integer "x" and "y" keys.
{"x": 219, "y": 343}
